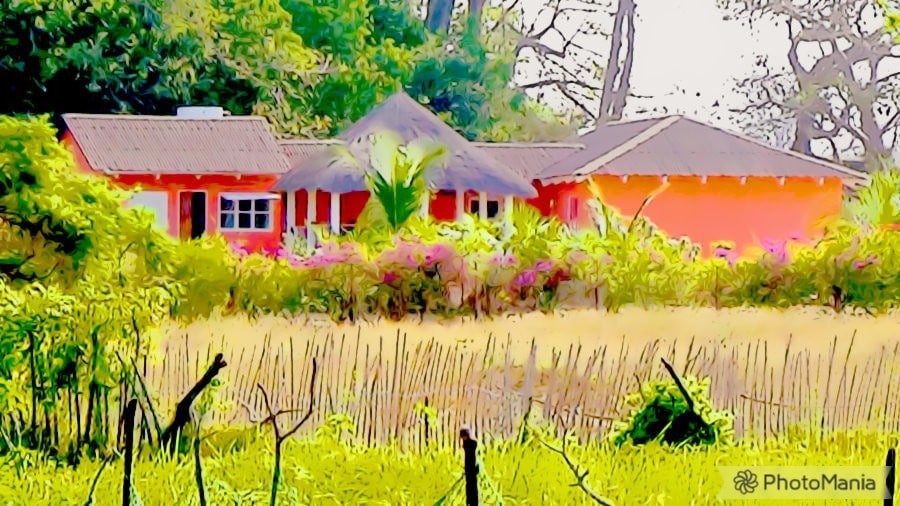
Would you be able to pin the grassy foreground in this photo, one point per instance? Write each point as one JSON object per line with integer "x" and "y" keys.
{"x": 324, "y": 470}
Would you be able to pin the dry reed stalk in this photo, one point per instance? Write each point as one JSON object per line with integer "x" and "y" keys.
{"x": 890, "y": 406}
{"x": 362, "y": 414}
{"x": 489, "y": 389}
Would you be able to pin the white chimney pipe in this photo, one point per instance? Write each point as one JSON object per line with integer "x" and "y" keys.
{"x": 194, "y": 112}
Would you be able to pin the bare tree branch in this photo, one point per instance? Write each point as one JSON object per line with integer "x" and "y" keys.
{"x": 840, "y": 96}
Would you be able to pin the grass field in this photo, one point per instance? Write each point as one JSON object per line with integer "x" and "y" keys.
{"x": 772, "y": 368}
{"x": 324, "y": 472}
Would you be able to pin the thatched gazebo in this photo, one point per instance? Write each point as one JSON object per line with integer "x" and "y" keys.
{"x": 340, "y": 166}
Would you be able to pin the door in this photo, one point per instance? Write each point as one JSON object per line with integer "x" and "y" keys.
{"x": 192, "y": 214}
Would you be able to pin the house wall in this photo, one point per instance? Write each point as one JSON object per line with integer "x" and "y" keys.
{"x": 352, "y": 205}
{"x": 442, "y": 206}
{"x": 214, "y": 185}
{"x": 721, "y": 209}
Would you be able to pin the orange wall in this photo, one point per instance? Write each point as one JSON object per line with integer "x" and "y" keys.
{"x": 213, "y": 185}
{"x": 721, "y": 209}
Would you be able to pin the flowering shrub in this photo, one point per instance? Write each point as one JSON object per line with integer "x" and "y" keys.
{"x": 478, "y": 267}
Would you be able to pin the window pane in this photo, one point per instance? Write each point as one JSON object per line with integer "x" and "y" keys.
{"x": 244, "y": 220}
{"x": 261, "y": 205}
{"x": 227, "y": 220}
{"x": 226, "y": 204}
{"x": 473, "y": 206}
{"x": 493, "y": 208}
{"x": 261, "y": 221}
{"x": 245, "y": 205}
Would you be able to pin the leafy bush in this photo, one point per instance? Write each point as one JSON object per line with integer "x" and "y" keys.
{"x": 81, "y": 277}
{"x": 660, "y": 412}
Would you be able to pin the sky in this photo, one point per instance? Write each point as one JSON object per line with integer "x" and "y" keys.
{"x": 687, "y": 44}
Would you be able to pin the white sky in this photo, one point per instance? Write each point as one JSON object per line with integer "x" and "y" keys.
{"x": 687, "y": 44}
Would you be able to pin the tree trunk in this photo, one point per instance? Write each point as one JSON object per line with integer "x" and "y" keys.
{"x": 438, "y": 16}
{"x": 475, "y": 9}
{"x": 617, "y": 79}
{"x": 802, "y": 132}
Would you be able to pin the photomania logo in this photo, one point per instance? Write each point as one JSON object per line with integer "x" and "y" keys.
{"x": 813, "y": 482}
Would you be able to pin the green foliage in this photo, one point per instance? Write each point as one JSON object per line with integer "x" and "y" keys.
{"x": 81, "y": 277}
{"x": 877, "y": 203}
{"x": 659, "y": 412}
{"x": 310, "y": 66}
{"x": 148, "y": 57}
{"x": 891, "y": 16}
{"x": 398, "y": 183}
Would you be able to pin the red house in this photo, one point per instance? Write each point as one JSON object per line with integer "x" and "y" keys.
{"x": 205, "y": 172}
{"x": 713, "y": 185}
{"x": 200, "y": 171}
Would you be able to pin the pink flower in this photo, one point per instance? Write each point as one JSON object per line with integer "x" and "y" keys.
{"x": 503, "y": 259}
{"x": 237, "y": 249}
{"x": 523, "y": 279}
{"x": 727, "y": 254}
{"x": 437, "y": 253}
{"x": 778, "y": 249}
{"x": 390, "y": 277}
{"x": 861, "y": 264}
{"x": 403, "y": 254}
{"x": 543, "y": 266}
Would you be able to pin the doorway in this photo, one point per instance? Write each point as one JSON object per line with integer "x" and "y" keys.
{"x": 192, "y": 214}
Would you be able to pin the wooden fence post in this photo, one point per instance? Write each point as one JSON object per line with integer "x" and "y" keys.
{"x": 470, "y": 465}
{"x": 891, "y": 464}
{"x": 130, "y": 409}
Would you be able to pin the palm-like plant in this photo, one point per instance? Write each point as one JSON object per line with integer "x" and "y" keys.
{"x": 397, "y": 183}
{"x": 877, "y": 203}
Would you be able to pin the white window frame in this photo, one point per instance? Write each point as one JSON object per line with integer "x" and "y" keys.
{"x": 487, "y": 203}
{"x": 252, "y": 197}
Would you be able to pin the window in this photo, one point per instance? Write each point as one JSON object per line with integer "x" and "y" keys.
{"x": 155, "y": 201}
{"x": 493, "y": 207}
{"x": 251, "y": 212}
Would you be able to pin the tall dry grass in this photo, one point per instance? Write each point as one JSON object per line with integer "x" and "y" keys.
{"x": 772, "y": 368}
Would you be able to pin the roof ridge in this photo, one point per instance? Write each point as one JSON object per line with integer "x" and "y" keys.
{"x": 633, "y": 121}
{"x": 155, "y": 117}
{"x": 308, "y": 141}
{"x": 632, "y": 143}
{"x": 543, "y": 144}
{"x": 802, "y": 156}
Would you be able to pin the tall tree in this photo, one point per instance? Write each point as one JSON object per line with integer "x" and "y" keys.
{"x": 559, "y": 55}
{"x": 617, "y": 78}
{"x": 147, "y": 57}
{"x": 846, "y": 100}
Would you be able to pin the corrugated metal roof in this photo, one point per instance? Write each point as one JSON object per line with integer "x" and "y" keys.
{"x": 529, "y": 159}
{"x": 678, "y": 146}
{"x": 299, "y": 150}
{"x": 125, "y": 144}
{"x": 465, "y": 168}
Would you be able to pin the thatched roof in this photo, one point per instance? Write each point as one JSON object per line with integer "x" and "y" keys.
{"x": 465, "y": 168}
